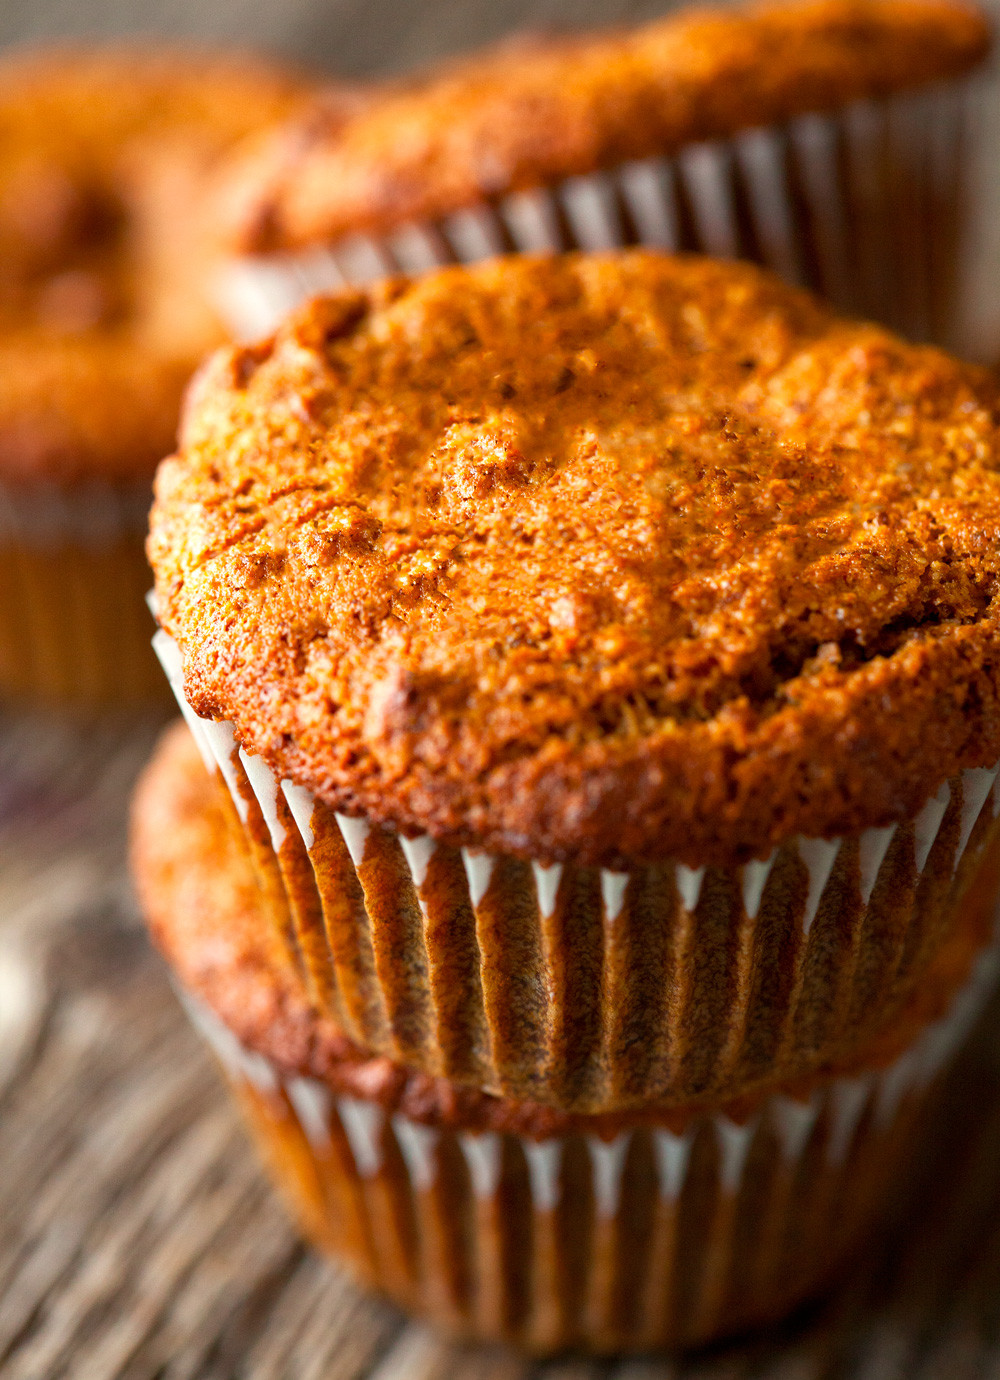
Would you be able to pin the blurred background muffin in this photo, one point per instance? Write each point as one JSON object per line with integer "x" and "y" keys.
{"x": 105, "y": 309}
{"x": 826, "y": 140}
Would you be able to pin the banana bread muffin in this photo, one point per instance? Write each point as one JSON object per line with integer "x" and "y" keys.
{"x": 507, "y": 1220}
{"x": 612, "y": 653}
{"x": 105, "y": 309}
{"x": 821, "y": 138}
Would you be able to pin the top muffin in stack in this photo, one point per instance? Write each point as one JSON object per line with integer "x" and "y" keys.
{"x": 600, "y": 617}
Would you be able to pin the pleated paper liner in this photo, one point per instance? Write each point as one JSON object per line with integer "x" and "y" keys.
{"x": 590, "y": 990}
{"x": 865, "y": 206}
{"x": 74, "y": 628}
{"x": 656, "y": 1237}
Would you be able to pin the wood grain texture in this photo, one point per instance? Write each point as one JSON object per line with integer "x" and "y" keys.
{"x": 139, "y": 1240}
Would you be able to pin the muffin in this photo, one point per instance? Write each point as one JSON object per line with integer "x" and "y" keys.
{"x": 105, "y": 310}
{"x": 506, "y": 1220}
{"x": 602, "y": 657}
{"x": 824, "y": 139}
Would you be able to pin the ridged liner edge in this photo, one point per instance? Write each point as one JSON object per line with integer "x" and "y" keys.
{"x": 468, "y": 973}
{"x": 837, "y": 1152}
{"x": 826, "y": 201}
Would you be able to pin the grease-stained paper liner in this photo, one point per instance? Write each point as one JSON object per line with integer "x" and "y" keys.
{"x": 864, "y": 206}
{"x": 591, "y": 990}
{"x": 652, "y": 1238}
{"x": 74, "y": 628}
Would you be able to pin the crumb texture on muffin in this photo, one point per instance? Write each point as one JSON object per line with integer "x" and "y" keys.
{"x": 527, "y": 113}
{"x": 606, "y": 559}
{"x": 105, "y": 306}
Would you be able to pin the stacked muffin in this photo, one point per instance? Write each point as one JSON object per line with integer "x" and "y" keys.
{"x": 106, "y": 308}
{"x": 600, "y": 661}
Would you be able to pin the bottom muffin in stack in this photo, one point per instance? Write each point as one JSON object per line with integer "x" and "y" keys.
{"x": 504, "y": 1219}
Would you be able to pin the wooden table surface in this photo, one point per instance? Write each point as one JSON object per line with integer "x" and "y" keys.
{"x": 138, "y": 1238}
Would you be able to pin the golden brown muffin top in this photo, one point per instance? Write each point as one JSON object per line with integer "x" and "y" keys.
{"x": 204, "y": 912}
{"x": 521, "y": 115}
{"x": 105, "y": 154}
{"x": 608, "y": 559}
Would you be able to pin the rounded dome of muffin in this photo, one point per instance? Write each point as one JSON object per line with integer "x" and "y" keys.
{"x": 605, "y": 558}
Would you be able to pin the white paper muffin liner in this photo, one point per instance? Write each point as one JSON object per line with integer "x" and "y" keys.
{"x": 592, "y": 990}
{"x": 73, "y": 626}
{"x": 650, "y": 1238}
{"x": 864, "y": 206}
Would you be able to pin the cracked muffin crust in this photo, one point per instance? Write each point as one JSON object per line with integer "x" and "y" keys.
{"x": 104, "y": 263}
{"x": 525, "y": 114}
{"x": 609, "y": 559}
